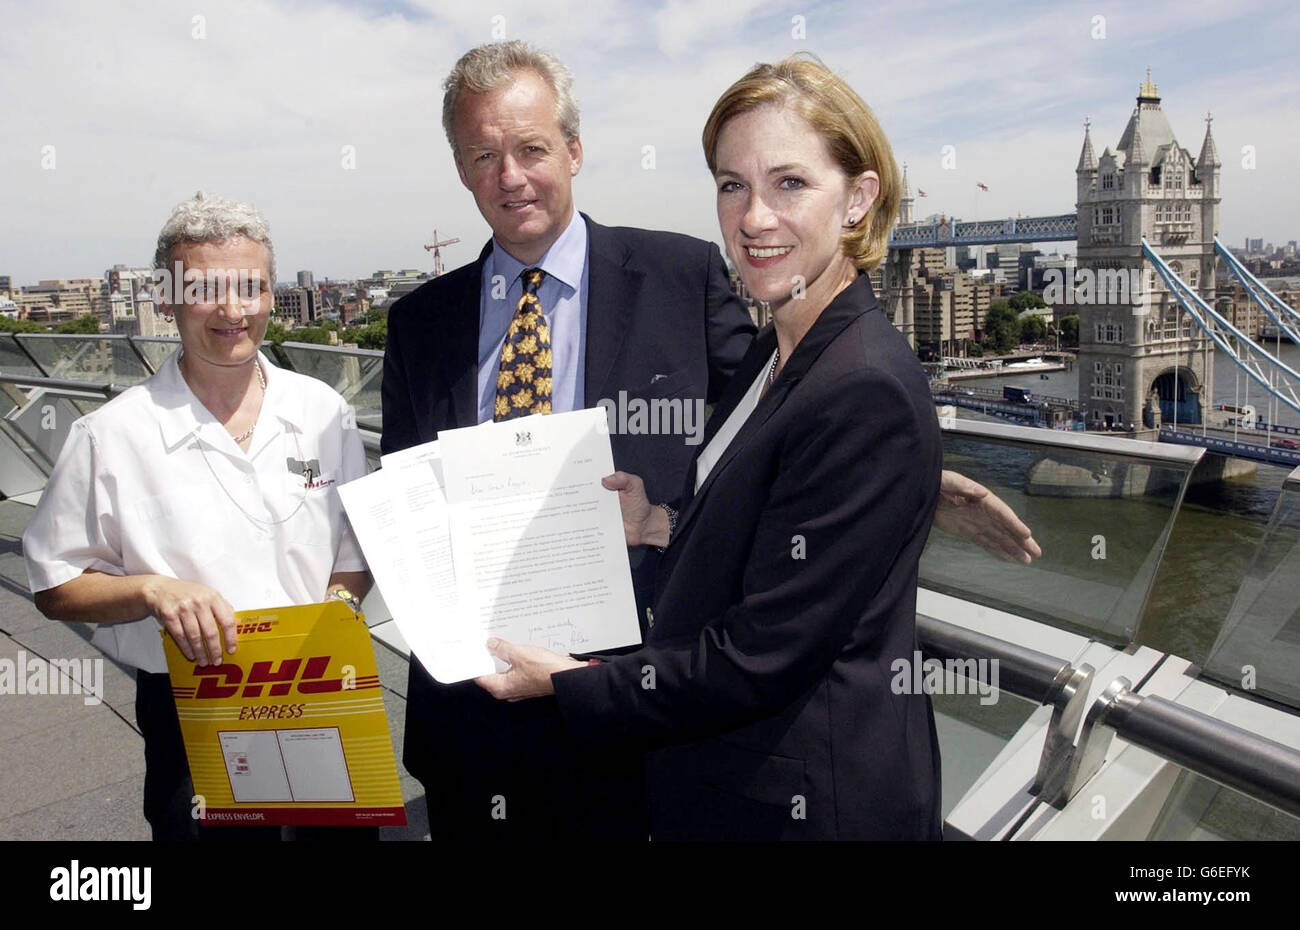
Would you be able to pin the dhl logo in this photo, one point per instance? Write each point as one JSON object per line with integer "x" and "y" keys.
{"x": 263, "y": 627}
{"x": 227, "y": 679}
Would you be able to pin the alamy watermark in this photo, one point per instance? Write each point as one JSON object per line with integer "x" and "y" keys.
{"x": 658, "y": 416}
{"x": 77, "y": 882}
{"x": 38, "y": 676}
{"x": 199, "y": 287}
{"x": 951, "y": 676}
{"x": 1093, "y": 286}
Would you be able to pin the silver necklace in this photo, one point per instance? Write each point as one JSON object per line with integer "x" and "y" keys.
{"x": 306, "y": 489}
{"x": 261, "y": 381}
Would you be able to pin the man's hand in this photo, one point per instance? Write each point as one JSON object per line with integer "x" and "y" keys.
{"x": 194, "y": 615}
{"x": 529, "y": 675}
{"x": 643, "y": 523}
{"x": 971, "y": 511}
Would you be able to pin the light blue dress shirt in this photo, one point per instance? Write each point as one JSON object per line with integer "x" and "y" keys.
{"x": 563, "y": 295}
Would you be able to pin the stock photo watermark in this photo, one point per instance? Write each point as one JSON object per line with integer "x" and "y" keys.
{"x": 658, "y": 416}
{"x": 918, "y": 675}
{"x": 197, "y": 287}
{"x": 77, "y": 882}
{"x": 32, "y": 675}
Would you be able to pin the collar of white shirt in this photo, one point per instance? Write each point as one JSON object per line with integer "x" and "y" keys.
{"x": 563, "y": 261}
{"x": 181, "y": 414}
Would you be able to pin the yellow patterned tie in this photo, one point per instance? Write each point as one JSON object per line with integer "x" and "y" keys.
{"x": 524, "y": 375}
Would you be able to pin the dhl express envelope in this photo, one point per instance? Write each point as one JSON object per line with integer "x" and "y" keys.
{"x": 291, "y": 728}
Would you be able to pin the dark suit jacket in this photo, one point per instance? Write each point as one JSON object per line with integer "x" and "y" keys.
{"x": 763, "y": 689}
{"x": 662, "y": 322}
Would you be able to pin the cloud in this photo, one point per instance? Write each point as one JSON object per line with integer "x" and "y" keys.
{"x": 142, "y": 114}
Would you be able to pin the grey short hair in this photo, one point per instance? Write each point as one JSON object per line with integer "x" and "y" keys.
{"x": 487, "y": 67}
{"x": 208, "y": 218}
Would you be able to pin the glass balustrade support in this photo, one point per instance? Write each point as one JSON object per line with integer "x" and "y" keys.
{"x": 1256, "y": 766}
{"x": 149, "y": 366}
{"x": 1059, "y": 760}
{"x": 1094, "y": 741}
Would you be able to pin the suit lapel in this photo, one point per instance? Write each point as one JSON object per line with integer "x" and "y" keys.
{"x": 756, "y": 356}
{"x": 613, "y": 290}
{"x": 756, "y": 360}
{"x": 458, "y": 353}
{"x": 847, "y": 306}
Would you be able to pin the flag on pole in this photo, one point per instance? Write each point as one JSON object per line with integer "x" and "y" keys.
{"x": 983, "y": 187}
{"x": 921, "y": 193}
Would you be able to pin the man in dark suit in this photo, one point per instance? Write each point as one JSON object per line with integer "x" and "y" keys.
{"x": 629, "y": 317}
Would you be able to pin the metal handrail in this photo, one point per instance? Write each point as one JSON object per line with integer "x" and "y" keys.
{"x": 1250, "y": 763}
{"x": 1026, "y": 673}
{"x": 106, "y": 388}
{"x": 1261, "y": 768}
{"x": 369, "y": 439}
{"x": 336, "y": 350}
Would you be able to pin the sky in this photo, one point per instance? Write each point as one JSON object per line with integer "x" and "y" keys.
{"x": 117, "y": 111}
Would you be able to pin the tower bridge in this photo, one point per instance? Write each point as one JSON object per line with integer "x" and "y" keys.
{"x": 1145, "y": 211}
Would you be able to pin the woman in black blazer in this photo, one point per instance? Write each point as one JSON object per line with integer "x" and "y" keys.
{"x": 788, "y": 590}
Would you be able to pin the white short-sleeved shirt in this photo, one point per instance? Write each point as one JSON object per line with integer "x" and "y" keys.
{"x": 152, "y": 483}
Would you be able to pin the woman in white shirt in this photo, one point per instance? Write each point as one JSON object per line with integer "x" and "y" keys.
{"x": 207, "y": 489}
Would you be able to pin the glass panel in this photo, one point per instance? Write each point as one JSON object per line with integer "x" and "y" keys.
{"x": 354, "y": 373}
{"x": 22, "y": 468}
{"x": 85, "y": 358}
{"x": 156, "y": 349}
{"x": 13, "y": 359}
{"x": 1101, "y": 517}
{"x": 1258, "y": 650}
{"x": 1219, "y": 528}
{"x": 46, "y": 421}
{"x": 85, "y": 405}
{"x": 972, "y": 733}
{"x": 1199, "y": 809}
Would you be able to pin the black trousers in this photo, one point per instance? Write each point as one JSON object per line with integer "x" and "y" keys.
{"x": 169, "y": 792}
{"x": 498, "y": 771}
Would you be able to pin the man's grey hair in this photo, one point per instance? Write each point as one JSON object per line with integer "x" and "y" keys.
{"x": 488, "y": 67}
{"x": 208, "y": 218}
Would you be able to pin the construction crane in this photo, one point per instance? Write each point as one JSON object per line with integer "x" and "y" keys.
{"x": 435, "y": 247}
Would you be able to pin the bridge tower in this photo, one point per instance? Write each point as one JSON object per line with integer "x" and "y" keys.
{"x": 1141, "y": 361}
{"x": 899, "y": 277}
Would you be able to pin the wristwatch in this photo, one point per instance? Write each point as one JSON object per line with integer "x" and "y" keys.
{"x": 347, "y": 597}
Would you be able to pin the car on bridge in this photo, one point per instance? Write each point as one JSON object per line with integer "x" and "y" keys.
{"x": 1285, "y": 444}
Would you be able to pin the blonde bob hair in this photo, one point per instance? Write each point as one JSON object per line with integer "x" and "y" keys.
{"x": 845, "y": 123}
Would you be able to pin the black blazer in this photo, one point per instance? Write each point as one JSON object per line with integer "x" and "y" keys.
{"x": 662, "y": 322}
{"x": 789, "y": 588}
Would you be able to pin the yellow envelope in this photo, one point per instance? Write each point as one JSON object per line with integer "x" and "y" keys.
{"x": 293, "y": 730}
